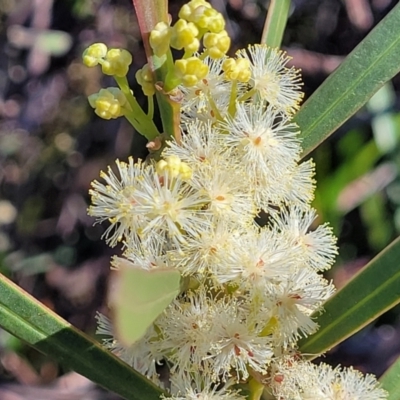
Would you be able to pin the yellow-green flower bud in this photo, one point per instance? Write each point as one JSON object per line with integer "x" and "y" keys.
{"x": 191, "y": 70}
{"x": 161, "y": 166}
{"x": 237, "y": 70}
{"x": 175, "y": 168}
{"x": 217, "y": 44}
{"x": 94, "y": 54}
{"x": 116, "y": 62}
{"x": 185, "y": 171}
{"x": 184, "y": 35}
{"x": 173, "y": 165}
{"x": 187, "y": 11}
{"x": 203, "y": 15}
{"x": 144, "y": 78}
{"x": 159, "y": 38}
{"x": 211, "y": 20}
{"x": 108, "y": 103}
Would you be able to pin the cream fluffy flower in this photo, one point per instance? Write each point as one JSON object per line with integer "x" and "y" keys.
{"x": 279, "y": 85}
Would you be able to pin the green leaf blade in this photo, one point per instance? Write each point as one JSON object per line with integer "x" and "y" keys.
{"x": 32, "y": 322}
{"x": 372, "y": 63}
{"x": 275, "y": 23}
{"x": 369, "y": 294}
{"x": 391, "y": 381}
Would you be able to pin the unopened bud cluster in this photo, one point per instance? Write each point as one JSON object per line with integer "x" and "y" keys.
{"x": 113, "y": 61}
{"x": 108, "y": 103}
{"x": 197, "y": 21}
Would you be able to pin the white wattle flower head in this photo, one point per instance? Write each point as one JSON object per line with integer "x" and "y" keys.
{"x": 264, "y": 136}
{"x": 185, "y": 330}
{"x": 147, "y": 254}
{"x": 168, "y": 206}
{"x": 260, "y": 257}
{"x": 225, "y": 187}
{"x": 317, "y": 248}
{"x": 217, "y": 173}
{"x": 350, "y": 383}
{"x": 114, "y": 201}
{"x": 266, "y": 144}
{"x": 299, "y": 184}
{"x": 209, "y": 251}
{"x": 199, "y": 100}
{"x": 237, "y": 344}
{"x": 201, "y": 143}
{"x": 196, "y": 387}
{"x": 213, "y": 336}
{"x": 147, "y": 203}
{"x": 294, "y": 301}
{"x": 279, "y": 85}
{"x": 303, "y": 380}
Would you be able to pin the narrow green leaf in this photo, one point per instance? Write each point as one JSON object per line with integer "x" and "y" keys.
{"x": 372, "y": 63}
{"x": 32, "y": 322}
{"x": 374, "y": 290}
{"x": 391, "y": 381}
{"x": 275, "y": 23}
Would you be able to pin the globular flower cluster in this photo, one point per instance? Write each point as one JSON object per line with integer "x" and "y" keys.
{"x": 228, "y": 206}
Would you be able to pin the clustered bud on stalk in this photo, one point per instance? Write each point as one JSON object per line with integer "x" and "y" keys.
{"x": 254, "y": 286}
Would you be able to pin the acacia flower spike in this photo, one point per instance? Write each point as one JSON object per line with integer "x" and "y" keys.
{"x": 192, "y": 214}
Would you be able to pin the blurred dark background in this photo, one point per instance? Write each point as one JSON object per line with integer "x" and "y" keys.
{"x": 52, "y": 146}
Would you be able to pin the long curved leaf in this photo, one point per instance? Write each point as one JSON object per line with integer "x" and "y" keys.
{"x": 32, "y": 322}
{"x": 391, "y": 381}
{"x": 374, "y": 290}
{"x": 275, "y": 22}
{"x": 372, "y": 63}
